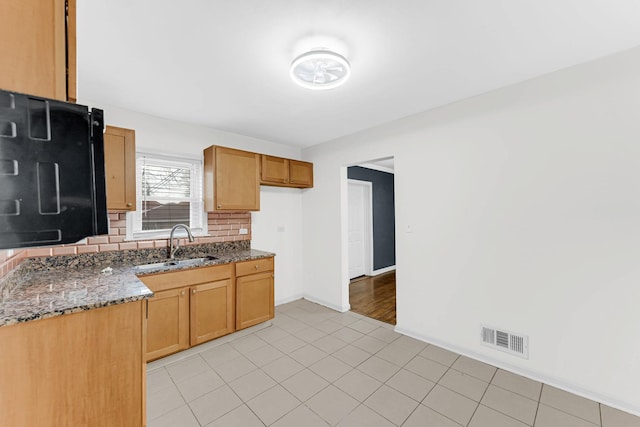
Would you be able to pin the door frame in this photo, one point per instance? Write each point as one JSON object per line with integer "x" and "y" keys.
{"x": 368, "y": 224}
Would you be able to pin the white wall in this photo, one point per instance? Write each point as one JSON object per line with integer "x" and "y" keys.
{"x": 525, "y": 210}
{"x": 277, "y": 228}
{"x": 280, "y": 207}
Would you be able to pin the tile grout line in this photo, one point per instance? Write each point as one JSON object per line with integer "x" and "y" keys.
{"x": 414, "y": 410}
{"x": 185, "y": 400}
{"x": 579, "y": 417}
{"x": 600, "y": 413}
{"x": 438, "y": 383}
{"x": 515, "y": 392}
{"x": 481, "y": 397}
{"x": 535, "y": 418}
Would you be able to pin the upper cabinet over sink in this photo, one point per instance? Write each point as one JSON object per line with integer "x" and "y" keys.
{"x": 231, "y": 180}
{"x": 282, "y": 172}
{"x": 232, "y": 177}
{"x": 38, "y": 45}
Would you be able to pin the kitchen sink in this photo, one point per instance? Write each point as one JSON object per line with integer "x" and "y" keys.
{"x": 175, "y": 262}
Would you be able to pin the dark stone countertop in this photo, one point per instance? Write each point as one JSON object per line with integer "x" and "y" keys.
{"x": 41, "y": 288}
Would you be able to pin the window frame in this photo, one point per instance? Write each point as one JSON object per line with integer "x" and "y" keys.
{"x": 133, "y": 219}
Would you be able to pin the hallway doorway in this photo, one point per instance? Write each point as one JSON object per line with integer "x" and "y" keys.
{"x": 370, "y": 239}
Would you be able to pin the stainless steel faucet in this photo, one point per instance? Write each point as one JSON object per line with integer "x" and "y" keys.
{"x": 173, "y": 248}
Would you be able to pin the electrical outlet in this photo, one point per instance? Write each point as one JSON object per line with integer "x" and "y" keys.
{"x": 243, "y": 231}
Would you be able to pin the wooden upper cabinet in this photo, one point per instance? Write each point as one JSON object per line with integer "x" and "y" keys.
{"x": 231, "y": 180}
{"x": 37, "y": 44}
{"x": 120, "y": 168}
{"x": 274, "y": 170}
{"x": 281, "y": 172}
{"x": 300, "y": 174}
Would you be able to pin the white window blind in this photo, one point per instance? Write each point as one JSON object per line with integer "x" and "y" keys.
{"x": 169, "y": 192}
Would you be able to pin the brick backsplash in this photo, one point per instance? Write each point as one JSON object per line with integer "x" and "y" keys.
{"x": 223, "y": 227}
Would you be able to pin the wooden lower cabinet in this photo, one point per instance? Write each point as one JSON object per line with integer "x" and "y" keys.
{"x": 189, "y": 307}
{"x": 211, "y": 311}
{"x": 167, "y": 323}
{"x": 254, "y": 292}
{"x": 80, "y": 369}
{"x": 194, "y": 306}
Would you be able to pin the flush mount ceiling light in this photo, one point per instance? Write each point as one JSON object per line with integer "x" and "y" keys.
{"x": 320, "y": 69}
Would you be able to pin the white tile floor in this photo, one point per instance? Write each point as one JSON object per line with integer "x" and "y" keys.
{"x": 313, "y": 366}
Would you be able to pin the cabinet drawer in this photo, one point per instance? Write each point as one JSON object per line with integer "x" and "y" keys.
{"x": 254, "y": 266}
{"x": 163, "y": 281}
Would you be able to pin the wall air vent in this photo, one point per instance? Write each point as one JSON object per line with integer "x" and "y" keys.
{"x": 506, "y": 341}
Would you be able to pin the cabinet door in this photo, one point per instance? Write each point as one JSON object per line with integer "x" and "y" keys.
{"x": 254, "y": 299}
{"x": 94, "y": 357}
{"x": 120, "y": 168}
{"x": 300, "y": 174}
{"x": 232, "y": 180}
{"x": 274, "y": 170}
{"x": 211, "y": 311}
{"x": 33, "y": 42}
{"x": 167, "y": 323}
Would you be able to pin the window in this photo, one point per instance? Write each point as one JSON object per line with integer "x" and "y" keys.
{"x": 169, "y": 192}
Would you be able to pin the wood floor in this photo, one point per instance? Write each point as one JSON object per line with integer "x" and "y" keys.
{"x": 374, "y": 297}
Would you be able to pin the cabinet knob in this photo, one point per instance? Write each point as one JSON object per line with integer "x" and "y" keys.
{"x": 219, "y": 206}
{"x": 257, "y": 267}
{"x": 182, "y": 293}
{"x": 129, "y": 205}
{"x": 193, "y": 291}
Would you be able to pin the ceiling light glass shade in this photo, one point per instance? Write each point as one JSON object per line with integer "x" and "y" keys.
{"x": 320, "y": 70}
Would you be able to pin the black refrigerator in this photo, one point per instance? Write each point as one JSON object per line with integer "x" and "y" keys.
{"x": 52, "y": 178}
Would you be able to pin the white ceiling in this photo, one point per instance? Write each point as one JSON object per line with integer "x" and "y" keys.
{"x": 225, "y": 63}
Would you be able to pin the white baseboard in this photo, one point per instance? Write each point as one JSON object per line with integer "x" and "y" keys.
{"x": 288, "y": 299}
{"x": 383, "y": 270}
{"x": 629, "y": 407}
{"x": 327, "y": 304}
